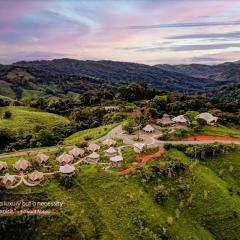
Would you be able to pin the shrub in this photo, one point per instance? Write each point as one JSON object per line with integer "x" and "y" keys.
{"x": 7, "y": 115}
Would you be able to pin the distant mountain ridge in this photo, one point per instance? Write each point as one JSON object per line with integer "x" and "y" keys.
{"x": 66, "y": 76}
{"x": 228, "y": 71}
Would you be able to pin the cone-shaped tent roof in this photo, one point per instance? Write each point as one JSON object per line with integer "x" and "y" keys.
{"x": 64, "y": 158}
{"x": 148, "y": 128}
{"x": 94, "y": 155}
{"x": 109, "y": 142}
{"x": 21, "y": 165}
{"x": 3, "y": 165}
{"x": 76, "y": 152}
{"x": 8, "y": 179}
{"x": 35, "y": 176}
{"x": 166, "y": 120}
{"x": 67, "y": 169}
{"x": 111, "y": 150}
{"x": 117, "y": 158}
{"x": 93, "y": 147}
{"x": 41, "y": 158}
{"x": 139, "y": 145}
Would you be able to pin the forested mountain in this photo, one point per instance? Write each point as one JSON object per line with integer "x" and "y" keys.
{"x": 230, "y": 92}
{"x": 65, "y": 76}
{"x": 229, "y": 71}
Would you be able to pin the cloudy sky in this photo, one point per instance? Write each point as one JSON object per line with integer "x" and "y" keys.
{"x": 144, "y": 31}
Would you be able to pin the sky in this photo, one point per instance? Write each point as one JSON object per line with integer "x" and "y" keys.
{"x": 142, "y": 31}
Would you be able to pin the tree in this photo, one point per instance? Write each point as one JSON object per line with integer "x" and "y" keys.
{"x": 7, "y": 115}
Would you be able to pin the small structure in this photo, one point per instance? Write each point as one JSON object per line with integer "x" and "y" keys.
{"x": 109, "y": 142}
{"x": 76, "y": 152}
{"x": 93, "y": 157}
{"x": 111, "y": 151}
{"x": 181, "y": 120}
{"x": 3, "y": 166}
{"x": 21, "y": 165}
{"x": 93, "y": 147}
{"x": 208, "y": 117}
{"x": 64, "y": 159}
{"x": 40, "y": 158}
{"x": 165, "y": 121}
{"x": 116, "y": 161}
{"x": 35, "y": 176}
{"x": 67, "y": 169}
{"x": 148, "y": 128}
{"x": 138, "y": 147}
{"x": 8, "y": 179}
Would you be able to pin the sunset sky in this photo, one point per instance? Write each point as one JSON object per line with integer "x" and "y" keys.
{"x": 144, "y": 31}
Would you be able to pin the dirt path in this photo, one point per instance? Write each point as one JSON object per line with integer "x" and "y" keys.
{"x": 211, "y": 138}
{"x": 144, "y": 160}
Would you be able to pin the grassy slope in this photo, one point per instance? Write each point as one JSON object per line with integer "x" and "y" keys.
{"x": 91, "y": 134}
{"x": 27, "y": 118}
{"x": 221, "y": 131}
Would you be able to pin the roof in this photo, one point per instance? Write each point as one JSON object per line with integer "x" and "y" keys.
{"x": 109, "y": 142}
{"x": 148, "y": 128}
{"x": 67, "y": 169}
{"x": 76, "y": 152}
{"x": 64, "y": 158}
{"x": 117, "y": 158}
{"x": 36, "y": 175}
{"x": 139, "y": 145}
{"x": 93, "y": 155}
{"x": 208, "y": 117}
{"x": 111, "y": 150}
{"x": 166, "y": 119}
{"x": 3, "y": 165}
{"x": 93, "y": 147}
{"x": 21, "y": 164}
{"x": 180, "y": 119}
{"x": 8, "y": 178}
{"x": 41, "y": 158}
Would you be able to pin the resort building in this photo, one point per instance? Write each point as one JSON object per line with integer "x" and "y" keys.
{"x": 35, "y": 176}
{"x": 3, "y": 166}
{"x": 93, "y": 157}
{"x": 148, "y": 129}
{"x": 41, "y": 158}
{"x": 116, "y": 161}
{"x": 109, "y": 142}
{"x": 181, "y": 120}
{"x": 208, "y": 117}
{"x": 67, "y": 169}
{"x": 8, "y": 179}
{"x": 76, "y": 152}
{"x": 93, "y": 147}
{"x": 165, "y": 121}
{"x": 138, "y": 147}
{"x": 64, "y": 159}
{"x": 21, "y": 165}
{"x": 111, "y": 151}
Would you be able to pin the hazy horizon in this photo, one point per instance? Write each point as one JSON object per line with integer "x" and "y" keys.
{"x": 144, "y": 31}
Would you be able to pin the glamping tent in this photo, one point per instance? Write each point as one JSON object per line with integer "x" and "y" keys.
{"x": 41, "y": 158}
{"x": 21, "y": 165}
{"x": 76, "y": 152}
{"x": 165, "y": 121}
{"x": 138, "y": 147}
{"x": 116, "y": 161}
{"x": 180, "y": 120}
{"x": 67, "y": 169}
{"x": 3, "y": 166}
{"x": 111, "y": 151}
{"x": 93, "y": 147}
{"x": 93, "y": 157}
{"x": 8, "y": 180}
{"x": 208, "y": 117}
{"x": 64, "y": 159}
{"x": 109, "y": 142}
{"x": 148, "y": 128}
{"x": 35, "y": 176}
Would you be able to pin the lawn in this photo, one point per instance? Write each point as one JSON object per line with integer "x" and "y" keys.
{"x": 221, "y": 131}
{"x": 25, "y": 118}
{"x": 89, "y": 134}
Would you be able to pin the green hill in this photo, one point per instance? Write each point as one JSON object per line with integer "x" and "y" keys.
{"x": 25, "y": 118}
{"x": 197, "y": 202}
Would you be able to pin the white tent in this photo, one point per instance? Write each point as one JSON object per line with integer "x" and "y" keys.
{"x": 93, "y": 157}
{"x": 111, "y": 151}
{"x": 76, "y": 152}
{"x": 93, "y": 147}
{"x": 8, "y": 179}
{"x": 109, "y": 142}
{"x": 35, "y": 176}
{"x": 67, "y": 169}
{"x": 64, "y": 158}
{"x": 117, "y": 158}
{"x": 3, "y": 166}
{"x": 41, "y": 158}
{"x": 208, "y": 117}
{"x": 21, "y": 165}
{"x": 166, "y": 120}
{"x": 148, "y": 128}
{"x": 138, "y": 147}
{"x": 180, "y": 119}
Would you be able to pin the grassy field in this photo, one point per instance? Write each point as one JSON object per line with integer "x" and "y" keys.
{"x": 89, "y": 134}
{"x": 25, "y": 118}
{"x": 221, "y": 131}
{"x": 100, "y": 205}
